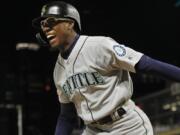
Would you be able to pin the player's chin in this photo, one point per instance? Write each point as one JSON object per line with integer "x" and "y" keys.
{"x": 54, "y": 43}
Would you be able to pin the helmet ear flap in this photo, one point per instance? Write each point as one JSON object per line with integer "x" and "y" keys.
{"x": 42, "y": 39}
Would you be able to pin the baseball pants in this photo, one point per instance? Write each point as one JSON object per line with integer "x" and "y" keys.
{"x": 134, "y": 122}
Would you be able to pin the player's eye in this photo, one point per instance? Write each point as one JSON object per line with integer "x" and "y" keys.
{"x": 49, "y": 22}
{"x": 52, "y": 21}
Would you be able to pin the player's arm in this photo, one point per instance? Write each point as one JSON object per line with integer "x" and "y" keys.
{"x": 150, "y": 65}
{"x": 66, "y": 120}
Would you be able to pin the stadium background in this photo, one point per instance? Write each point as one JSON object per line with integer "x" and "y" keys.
{"x": 28, "y": 102}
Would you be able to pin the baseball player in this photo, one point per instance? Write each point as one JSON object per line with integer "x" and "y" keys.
{"x": 92, "y": 75}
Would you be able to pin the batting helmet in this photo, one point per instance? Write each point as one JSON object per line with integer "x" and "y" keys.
{"x": 58, "y": 9}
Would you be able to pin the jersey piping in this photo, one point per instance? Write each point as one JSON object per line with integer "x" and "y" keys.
{"x": 78, "y": 88}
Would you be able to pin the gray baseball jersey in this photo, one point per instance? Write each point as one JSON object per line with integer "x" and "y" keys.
{"x": 96, "y": 77}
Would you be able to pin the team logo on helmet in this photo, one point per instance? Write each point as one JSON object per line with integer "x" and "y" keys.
{"x": 43, "y": 10}
{"x": 120, "y": 50}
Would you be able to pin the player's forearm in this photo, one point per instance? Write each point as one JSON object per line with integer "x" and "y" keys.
{"x": 147, "y": 64}
{"x": 66, "y": 120}
{"x": 64, "y": 126}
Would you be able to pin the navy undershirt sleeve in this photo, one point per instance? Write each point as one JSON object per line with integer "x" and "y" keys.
{"x": 149, "y": 65}
{"x": 66, "y": 120}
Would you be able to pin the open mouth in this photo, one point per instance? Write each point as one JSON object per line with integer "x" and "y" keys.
{"x": 50, "y": 37}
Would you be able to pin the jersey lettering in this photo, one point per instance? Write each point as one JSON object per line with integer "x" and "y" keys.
{"x": 81, "y": 80}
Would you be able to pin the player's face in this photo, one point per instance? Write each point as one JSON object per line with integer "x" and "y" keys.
{"x": 56, "y": 30}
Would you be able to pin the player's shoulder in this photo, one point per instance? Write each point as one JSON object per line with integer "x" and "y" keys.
{"x": 99, "y": 40}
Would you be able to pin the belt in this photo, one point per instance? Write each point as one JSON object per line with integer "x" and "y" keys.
{"x": 112, "y": 117}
